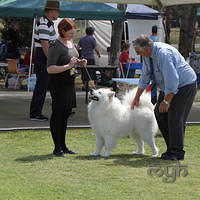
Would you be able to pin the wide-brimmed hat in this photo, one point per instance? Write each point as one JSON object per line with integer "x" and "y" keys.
{"x": 53, "y": 5}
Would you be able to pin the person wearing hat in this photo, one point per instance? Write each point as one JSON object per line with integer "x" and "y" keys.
{"x": 44, "y": 35}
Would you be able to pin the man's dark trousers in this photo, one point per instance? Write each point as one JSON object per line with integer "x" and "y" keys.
{"x": 39, "y": 94}
{"x": 172, "y": 124}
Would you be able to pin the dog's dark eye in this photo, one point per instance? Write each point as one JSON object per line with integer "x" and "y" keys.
{"x": 99, "y": 92}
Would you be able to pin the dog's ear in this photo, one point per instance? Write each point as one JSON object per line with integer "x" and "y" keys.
{"x": 111, "y": 95}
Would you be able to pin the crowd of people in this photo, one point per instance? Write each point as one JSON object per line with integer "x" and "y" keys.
{"x": 54, "y": 66}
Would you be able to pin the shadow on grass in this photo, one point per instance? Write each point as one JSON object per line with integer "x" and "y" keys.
{"x": 88, "y": 157}
{"x": 136, "y": 161}
{"x": 33, "y": 158}
{"x": 129, "y": 160}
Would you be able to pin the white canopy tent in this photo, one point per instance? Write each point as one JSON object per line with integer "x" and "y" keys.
{"x": 103, "y": 31}
{"x": 136, "y": 27}
{"x": 140, "y": 19}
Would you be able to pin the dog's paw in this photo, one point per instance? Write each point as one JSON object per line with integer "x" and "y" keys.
{"x": 105, "y": 155}
{"x": 155, "y": 154}
{"x": 95, "y": 154}
{"x": 137, "y": 153}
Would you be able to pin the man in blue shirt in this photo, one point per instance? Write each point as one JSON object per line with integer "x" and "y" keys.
{"x": 177, "y": 83}
{"x": 154, "y": 36}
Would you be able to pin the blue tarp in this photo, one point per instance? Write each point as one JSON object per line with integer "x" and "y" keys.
{"x": 138, "y": 11}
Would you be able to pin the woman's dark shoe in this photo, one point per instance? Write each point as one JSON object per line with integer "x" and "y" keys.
{"x": 58, "y": 153}
{"x": 66, "y": 150}
{"x": 69, "y": 152}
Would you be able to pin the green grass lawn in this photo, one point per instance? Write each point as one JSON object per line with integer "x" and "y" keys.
{"x": 29, "y": 171}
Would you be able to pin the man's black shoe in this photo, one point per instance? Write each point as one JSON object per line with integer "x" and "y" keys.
{"x": 177, "y": 156}
{"x": 72, "y": 114}
{"x": 40, "y": 118}
{"x": 168, "y": 156}
{"x": 180, "y": 157}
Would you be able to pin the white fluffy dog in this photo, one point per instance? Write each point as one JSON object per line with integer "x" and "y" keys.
{"x": 112, "y": 119}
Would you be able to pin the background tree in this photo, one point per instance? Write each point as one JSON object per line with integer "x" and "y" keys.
{"x": 117, "y": 29}
{"x": 183, "y": 17}
{"x": 187, "y": 29}
{"x": 167, "y": 24}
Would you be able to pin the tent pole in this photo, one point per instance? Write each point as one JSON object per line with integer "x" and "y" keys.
{"x": 85, "y": 24}
{"x": 124, "y": 23}
{"x": 31, "y": 55}
{"x": 81, "y": 28}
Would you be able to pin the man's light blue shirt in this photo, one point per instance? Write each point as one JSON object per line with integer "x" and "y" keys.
{"x": 170, "y": 69}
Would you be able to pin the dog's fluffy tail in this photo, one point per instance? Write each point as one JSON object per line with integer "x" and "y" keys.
{"x": 145, "y": 99}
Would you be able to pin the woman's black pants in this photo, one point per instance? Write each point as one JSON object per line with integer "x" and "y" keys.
{"x": 58, "y": 126}
{"x": 62, "y": 102}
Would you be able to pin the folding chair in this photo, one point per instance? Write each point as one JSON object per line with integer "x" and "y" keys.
{"x": 12, "y": 68}
{"x": 132, "y": 67}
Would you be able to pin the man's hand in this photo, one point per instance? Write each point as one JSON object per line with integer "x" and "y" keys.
{"x": 163, "y": 108}
{"x": 45, "y": 46}
{"x": 135, "y": 102}
{"x": 165, "y": 104}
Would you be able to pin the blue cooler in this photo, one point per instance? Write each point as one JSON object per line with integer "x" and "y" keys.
{"x": 31, "y": 81}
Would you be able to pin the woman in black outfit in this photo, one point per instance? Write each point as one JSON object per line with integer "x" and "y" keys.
{"x": 62, "y": 57}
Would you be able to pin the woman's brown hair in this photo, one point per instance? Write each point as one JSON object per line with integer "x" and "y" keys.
{"x": 65, "y": 24}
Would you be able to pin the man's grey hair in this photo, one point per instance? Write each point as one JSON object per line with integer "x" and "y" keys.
{"x": 143, "y": 42}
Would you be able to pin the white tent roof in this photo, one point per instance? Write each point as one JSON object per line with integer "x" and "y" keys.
{"x": 138, "y": 8}
{"x": 146, "y": 2}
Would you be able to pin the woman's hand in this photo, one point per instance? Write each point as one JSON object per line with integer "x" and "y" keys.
{"x": 82, "y": 62}
{"x": 73, "y": 61}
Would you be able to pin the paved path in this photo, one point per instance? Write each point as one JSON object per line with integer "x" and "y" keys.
{"x": 14, "y": 111}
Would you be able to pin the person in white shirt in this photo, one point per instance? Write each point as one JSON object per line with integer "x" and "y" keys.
{"x": 44, "y": 35}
